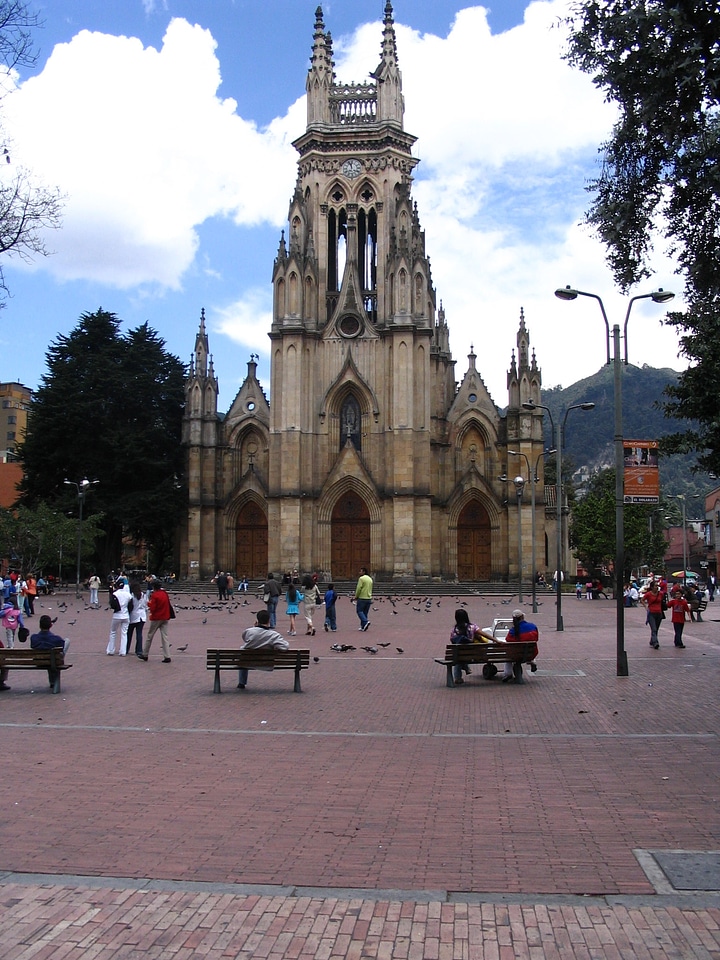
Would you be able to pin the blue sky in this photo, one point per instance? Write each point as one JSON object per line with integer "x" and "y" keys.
{"x": 168, "y": 125}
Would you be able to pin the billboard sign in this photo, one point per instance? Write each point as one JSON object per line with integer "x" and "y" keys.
{"x": 641, "y": 473}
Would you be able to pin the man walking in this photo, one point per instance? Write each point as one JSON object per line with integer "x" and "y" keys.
{"x": 363, "y": 598}
{"x": 160, "y": 616}
{"x": 271, "y": 593}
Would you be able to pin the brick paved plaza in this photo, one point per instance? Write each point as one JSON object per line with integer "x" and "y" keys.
{"x": 378, "y": 813}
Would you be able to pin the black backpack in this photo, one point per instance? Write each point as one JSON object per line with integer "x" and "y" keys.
{"x": 114, "y": 603}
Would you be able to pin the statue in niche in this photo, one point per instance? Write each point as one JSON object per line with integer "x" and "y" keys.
{"x": 350, "y": 423}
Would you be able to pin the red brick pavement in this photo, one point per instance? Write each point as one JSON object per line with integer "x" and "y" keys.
{"x": 376, "y": 777}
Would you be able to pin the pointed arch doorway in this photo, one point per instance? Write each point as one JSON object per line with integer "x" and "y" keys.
{"x": 350, "y": 538}
{"x": 473, "y": 543}
{"x": 251, "y": 543}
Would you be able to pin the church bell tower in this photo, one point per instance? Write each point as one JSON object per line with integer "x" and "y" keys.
{"x": 359, "y": 362}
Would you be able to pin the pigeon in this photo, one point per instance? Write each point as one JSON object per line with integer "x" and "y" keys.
{"x": 183, "y": 649}
{"x": 316, "y": 659}
{"x": 383, "y": 644}
{"x": 370, "y": 649}
{"x": 204, "y": 619}
{"x": 399, "y": 649}
{"x": 71, "y": 623}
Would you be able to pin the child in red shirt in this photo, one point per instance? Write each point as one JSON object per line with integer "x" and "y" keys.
{"x": 680, "y": 611}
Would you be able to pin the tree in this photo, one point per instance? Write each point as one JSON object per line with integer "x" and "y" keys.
{"x": 36, "y": 539}
{"x": 592, "y": 529}
{"x": 659, "y": 61}
{"x": 110, "y": 409}
{"x": 27, "y": 208}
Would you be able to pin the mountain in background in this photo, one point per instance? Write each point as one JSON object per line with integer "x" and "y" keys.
{"x": 589, "y": 437}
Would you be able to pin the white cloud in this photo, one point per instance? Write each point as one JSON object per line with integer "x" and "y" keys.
{"x": 145, "y": 153}
{"x": 246, "y": 321}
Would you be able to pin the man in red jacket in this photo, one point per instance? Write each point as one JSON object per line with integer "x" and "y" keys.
{"x": 521, "y": 631}
{"x": 159, "y": 607}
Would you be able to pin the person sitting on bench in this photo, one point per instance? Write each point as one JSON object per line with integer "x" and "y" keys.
{"x": 521, "y": 630}
{"x": 44, "y": 640}
{"x": 258, "y": 637}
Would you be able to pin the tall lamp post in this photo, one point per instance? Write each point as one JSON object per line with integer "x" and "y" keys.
{"x": 657, "y": 296}
{"x": 558, "y": 444}
{"x": 533, "y": 479}
{"x": 82, "y": 488}
{"x": 683, "y": 499}
{"x": 519, "y": 487}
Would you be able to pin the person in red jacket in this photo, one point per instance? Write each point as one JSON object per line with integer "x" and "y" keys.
{"x": 520, "y": 631}
{"x": 159, "y": 607}
{"x": 652, "y": 599}
{"x": 680, "y": 612}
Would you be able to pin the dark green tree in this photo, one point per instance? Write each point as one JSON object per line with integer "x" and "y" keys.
{"x": 592, "y": 529}
{"x": 110, "y": 409}
{"x": 659, "y": 61}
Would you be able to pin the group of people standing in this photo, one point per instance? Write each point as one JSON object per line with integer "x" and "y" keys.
{"x": 225, "y": 583}
{"x": 132, "y": 608}
{"x": 22, "y": 590}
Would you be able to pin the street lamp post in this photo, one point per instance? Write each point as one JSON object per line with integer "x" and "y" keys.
{"x": 683, "y": 499}
{"x": 533, "y": 479}
{"x": 558, "y": 444}
{"x": 519, "y": 486}
{"x": 657, "y": 296}
{"x": 82, "y": 489}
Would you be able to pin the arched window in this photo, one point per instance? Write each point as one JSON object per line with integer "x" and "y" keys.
{"x": 350, "y": 423}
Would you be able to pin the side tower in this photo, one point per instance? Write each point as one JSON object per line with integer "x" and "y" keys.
{"x": 525, "y": 446}
{"x": 360, "y": 365}
{"x": 200, "y": 436}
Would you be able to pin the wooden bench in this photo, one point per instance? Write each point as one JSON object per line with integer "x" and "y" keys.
{"x": 53, "y": 659}
{"x": 488, "y": 654}
{"x": 263, "y": 659}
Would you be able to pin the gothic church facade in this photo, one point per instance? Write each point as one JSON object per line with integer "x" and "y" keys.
{"x": 368, "y": 452}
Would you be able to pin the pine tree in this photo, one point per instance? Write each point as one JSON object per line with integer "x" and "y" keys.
{"x": 110, "y": 409}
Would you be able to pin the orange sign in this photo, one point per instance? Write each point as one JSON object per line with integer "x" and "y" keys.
{"x": 641, "y": 474}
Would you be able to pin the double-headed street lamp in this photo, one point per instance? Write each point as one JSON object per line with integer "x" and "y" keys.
{"x": 657, "y": 296}
{"x": 82, "y": 488}
{"x": 533, "y": 478}
{"x": 519, "y": 487}
{"x": 558, "y": 444}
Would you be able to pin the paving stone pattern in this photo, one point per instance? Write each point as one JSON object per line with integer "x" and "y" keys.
{"x": 378, "y": 813}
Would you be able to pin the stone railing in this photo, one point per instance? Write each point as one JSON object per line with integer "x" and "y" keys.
{"x": 353, "y": 103}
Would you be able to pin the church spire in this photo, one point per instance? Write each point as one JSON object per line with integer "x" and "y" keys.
{"x": 320, "y": 75}
{"x": 390, "y": 104}
{"x": 201, "y": 348}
